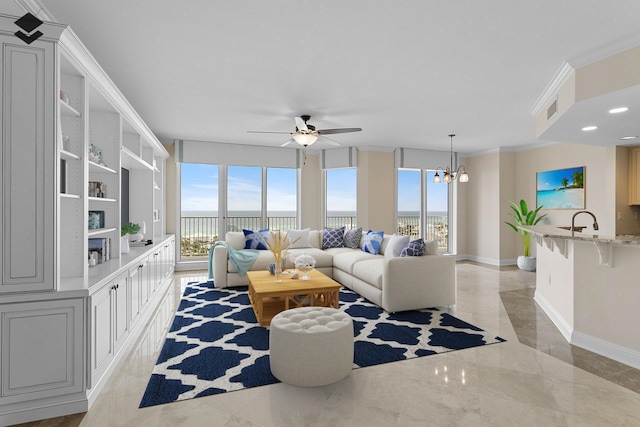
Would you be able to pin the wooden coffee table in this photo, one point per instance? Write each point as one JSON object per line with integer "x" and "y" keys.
{"x": 269, "y": 297}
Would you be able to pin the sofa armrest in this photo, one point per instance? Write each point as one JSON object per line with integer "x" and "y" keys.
{"x": 220, "y": 257}
{"x": 410, "y": 283}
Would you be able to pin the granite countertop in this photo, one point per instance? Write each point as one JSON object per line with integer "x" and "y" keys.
{"x": 556, "y": 232}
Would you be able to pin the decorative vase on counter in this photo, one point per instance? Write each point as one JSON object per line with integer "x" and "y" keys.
{"x": 124, "y": 245}
{"x": 527, "y": 263}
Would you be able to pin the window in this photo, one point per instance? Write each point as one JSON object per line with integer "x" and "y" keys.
{"x": 198, "y": 209}
{"x": 409, "y": 202}
{"x": 252, "y": 202}
{"x": 282, "y": 198}
{"x": 423, "y": 207}
{"x": 244, "y": 198}
{"x": 340, "y": 199}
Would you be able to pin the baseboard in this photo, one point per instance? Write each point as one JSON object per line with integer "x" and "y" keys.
{"x": 485, "y": 260}
{"x": 607, "y": 349}
{"x": 565, "y": 328}
{"x": 58, "y": 406}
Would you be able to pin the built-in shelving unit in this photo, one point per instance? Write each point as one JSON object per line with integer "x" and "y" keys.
{"x": 70, "y": 146}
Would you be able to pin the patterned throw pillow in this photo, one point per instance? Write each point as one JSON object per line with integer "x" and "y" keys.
{"x": 333, "y": 238}
{"x": 352, "y": 238}
{"x": 413, "y": 248}
{"x": 256, "y": 239}
{"x": 373, "y": 241}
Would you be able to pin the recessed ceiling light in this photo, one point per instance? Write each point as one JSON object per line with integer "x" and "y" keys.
{"x": 624, "y": 138}
{"x": 588, "y": 128}
{"x": 618, "y": 110}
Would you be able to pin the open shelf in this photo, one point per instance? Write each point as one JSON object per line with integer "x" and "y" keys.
{"x": 101, "y": 199}
{"x": 132, "y": 161}
{"x": 68, "y": 110}
{"x": 69, "y": 196}
{"x": 68, "y": 155}
{"x": 100, "y": 231}
{"x": 95, "y": 167}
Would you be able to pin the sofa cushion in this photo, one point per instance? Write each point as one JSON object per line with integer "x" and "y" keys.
{"x": 315, "y": 238}
{"x": 431, "y": 247}
{"x": 373, "y": 242}
{"x": 370, "y": 271}
{"x": 352, "y": 238}
{"x": 235, "y": 239}
{"x": 323, "y": 259}
{"x": 333, "y": 238}
{"x": 395, "y": 245}
{"x": 346, "y": 260}
{"x": 303, "y": 237}
{"x": 413, "y": 248}
{"x": 256, "y": 239}
{"x": 262, "y": 262}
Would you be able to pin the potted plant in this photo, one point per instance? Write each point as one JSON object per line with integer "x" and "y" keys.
{"x": 523, "y": 216}
{"x": 128, "y": 228}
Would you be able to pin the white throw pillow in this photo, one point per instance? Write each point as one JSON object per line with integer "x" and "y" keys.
{"x": 395, "y": 245}
{"x": 303, "y": 242}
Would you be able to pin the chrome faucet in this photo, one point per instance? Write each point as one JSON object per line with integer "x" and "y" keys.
{"x": 573, "y": 218}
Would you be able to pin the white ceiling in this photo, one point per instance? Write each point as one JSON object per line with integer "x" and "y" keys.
{"x": 407, "y": 72}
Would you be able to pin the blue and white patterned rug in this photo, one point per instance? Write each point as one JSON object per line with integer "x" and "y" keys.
{"x": 215, "y": 344}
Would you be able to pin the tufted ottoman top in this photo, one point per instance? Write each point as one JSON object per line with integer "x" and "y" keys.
{"x": 305, "y": 320}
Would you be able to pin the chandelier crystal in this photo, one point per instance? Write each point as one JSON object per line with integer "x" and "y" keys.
{"x": 448, "y": 174}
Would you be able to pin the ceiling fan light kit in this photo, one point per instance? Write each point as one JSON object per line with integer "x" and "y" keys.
{"x": 307, "y": 134}
{"x": 448, "y": 174}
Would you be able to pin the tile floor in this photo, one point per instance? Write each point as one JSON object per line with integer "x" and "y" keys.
{"x": 534, "y": 379}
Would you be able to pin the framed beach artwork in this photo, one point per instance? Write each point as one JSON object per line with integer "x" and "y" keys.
{"x": 561, "y": 189}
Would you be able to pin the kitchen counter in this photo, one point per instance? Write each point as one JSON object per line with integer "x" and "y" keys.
{"x": 557, "y": 232}
{"x": 588, "y": 286}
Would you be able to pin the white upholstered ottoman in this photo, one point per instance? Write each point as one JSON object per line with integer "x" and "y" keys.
{"x": 311, "y": 346}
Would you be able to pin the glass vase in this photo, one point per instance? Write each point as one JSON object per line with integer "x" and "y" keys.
{"x": 278, "y": 273}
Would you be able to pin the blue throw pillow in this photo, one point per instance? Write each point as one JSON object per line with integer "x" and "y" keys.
{"x": 352, "y": 238}
{"x": 256, "y": 239}
{"x": 413, "y": 248}
{"x": 333, "y": 238}
{"x": 373, "y": 241}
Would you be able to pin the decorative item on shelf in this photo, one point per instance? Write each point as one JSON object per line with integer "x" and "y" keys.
{"x": 448, "y": 174}
{"x": 305, "y": 263}
{"x": 127, "y": 230}
{"x": 95, "y": 155}
{"x": 523, "y": 216}
{"x": 279, "y": 245}
{"x": 156, "y": 215}
{"x": 64, "y": 97}
{"x": 99, "y": 249}
{"x": 97, "y": 189}
{"x": 63, "y": 176}
{"x": 96, "y": 220}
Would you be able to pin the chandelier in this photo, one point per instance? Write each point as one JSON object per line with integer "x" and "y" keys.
{"x": 448, "y": 174}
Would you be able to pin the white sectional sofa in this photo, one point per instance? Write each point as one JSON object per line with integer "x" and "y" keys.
{"x": 395, "y": 284}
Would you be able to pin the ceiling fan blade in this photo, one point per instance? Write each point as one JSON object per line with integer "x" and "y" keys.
{"x": 260, "y": 131}
{"x": 343, "y": 130}
{"x": 288, "y": 142}
{"x": 301, "y": 125}
{"x": 329, "y": 140}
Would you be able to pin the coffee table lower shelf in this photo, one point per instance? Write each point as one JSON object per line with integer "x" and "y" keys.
{"x": 269, "y": 298}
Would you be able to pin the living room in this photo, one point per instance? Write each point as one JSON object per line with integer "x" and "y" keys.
{"x": 502, "y": 157}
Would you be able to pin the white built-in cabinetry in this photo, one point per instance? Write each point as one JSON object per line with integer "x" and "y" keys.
{"x": 64, "y": 323}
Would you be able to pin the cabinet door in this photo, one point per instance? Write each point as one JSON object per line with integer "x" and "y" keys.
{"x": 120, "y": 316}
{"x": 42, "y": 347}
{"x": 157, "y": 269}
{"x": 634, "y": 176}
{"x": 28, "y": 182}
{"x": 143, "y": 277}
{"x": 134, "y": 290}
{"x": 101, "y": 330}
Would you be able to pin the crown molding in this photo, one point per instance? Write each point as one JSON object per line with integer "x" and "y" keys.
{"x": 562, "y": 75}
{"x": 36, "y": 8}
{"x": 604, "y": 51}
{"x": 510, "y": 149}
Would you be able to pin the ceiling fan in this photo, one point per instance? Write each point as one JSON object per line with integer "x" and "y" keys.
{"x": 307, "y": 134}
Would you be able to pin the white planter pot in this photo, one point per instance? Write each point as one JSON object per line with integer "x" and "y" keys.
{"x": 124, "y": 245}
{"x": 527, "y": 263}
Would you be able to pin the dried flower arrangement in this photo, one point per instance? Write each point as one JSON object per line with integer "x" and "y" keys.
{"x": 279, "y": 245}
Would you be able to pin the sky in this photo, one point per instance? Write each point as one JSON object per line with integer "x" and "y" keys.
{"x": 551, "y": 180}
{"x": 200, "y": 189}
